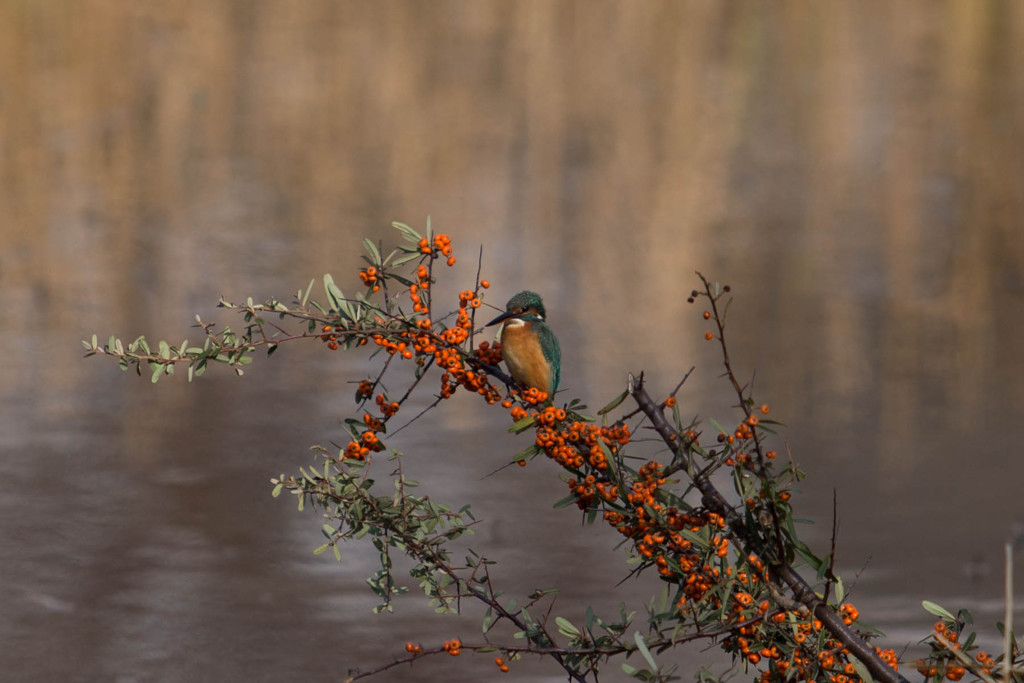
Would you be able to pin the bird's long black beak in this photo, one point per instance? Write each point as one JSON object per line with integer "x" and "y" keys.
{"x": 501, "y": 318}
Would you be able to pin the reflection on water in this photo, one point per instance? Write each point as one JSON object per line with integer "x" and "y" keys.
{"x": 853, "y": 173}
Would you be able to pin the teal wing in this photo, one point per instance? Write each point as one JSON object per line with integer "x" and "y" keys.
{"x": 552, "y": 352}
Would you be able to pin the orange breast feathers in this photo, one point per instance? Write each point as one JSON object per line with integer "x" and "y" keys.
{"x": 524, "y": 356}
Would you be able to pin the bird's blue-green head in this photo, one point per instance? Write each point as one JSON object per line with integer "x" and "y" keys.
{"x": 525, "y": 305}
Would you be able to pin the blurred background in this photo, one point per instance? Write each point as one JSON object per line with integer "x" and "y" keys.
{"x": 854, "y": 171}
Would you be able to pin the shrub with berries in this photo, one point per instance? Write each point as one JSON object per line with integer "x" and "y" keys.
{"x": 734, "y": 572}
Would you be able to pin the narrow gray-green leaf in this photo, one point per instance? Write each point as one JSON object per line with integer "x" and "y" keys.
{"x": 371, "y": 249}
{"x": 566, "y": 628}
{"x": 334, "y": 294}
{"x": 937, "y": 610}
{"x": 642, "y": 647}
{"x": 614, "y": 403}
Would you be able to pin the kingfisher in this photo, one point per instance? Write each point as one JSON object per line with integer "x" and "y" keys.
{"x": 528, "y": 346}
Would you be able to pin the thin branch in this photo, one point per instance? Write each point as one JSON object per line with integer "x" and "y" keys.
{"x": 830, "y": 576}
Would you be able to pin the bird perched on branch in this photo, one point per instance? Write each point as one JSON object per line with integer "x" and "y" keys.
{"x": 528, "y": 346}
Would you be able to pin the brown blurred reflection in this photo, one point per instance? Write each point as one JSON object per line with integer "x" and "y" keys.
{"x": 853, "y": 170}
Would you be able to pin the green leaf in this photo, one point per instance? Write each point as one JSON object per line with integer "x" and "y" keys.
{"x": 309, "y": 288}
{"x": 937, "y": 610}
{"x": 614, "y": 403}
{"x": 862, "y": 671}
{"x": 613, "y": 470}
{"x": 334, "y": 294}
{"x": 565, "y": 502}
{"x": 320, "y": 550}
{"x": 521, "y": 426}
{"x": 642, "y": 647}
{"x": 401, "y": 260}
{"x": 410, "y": 233}
{"x": 371, "y": 249}
{"x": 533, "y": 450}
{"x": 488, "y": 617}
{"x": 566, "y": 628}
{"x": 812, "y": 560}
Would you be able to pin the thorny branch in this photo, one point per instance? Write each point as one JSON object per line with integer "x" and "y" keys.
{"x": 781, "y": 573}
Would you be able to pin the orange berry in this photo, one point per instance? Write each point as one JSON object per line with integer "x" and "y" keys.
{"x": 670, "y": 401}
{"x": 485, "y": 284}
{"x": 451, "y": 260}
{"x": 708, "y": 335}
{"x": 707, "y": 314}
{"x": 766, "y": 409}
